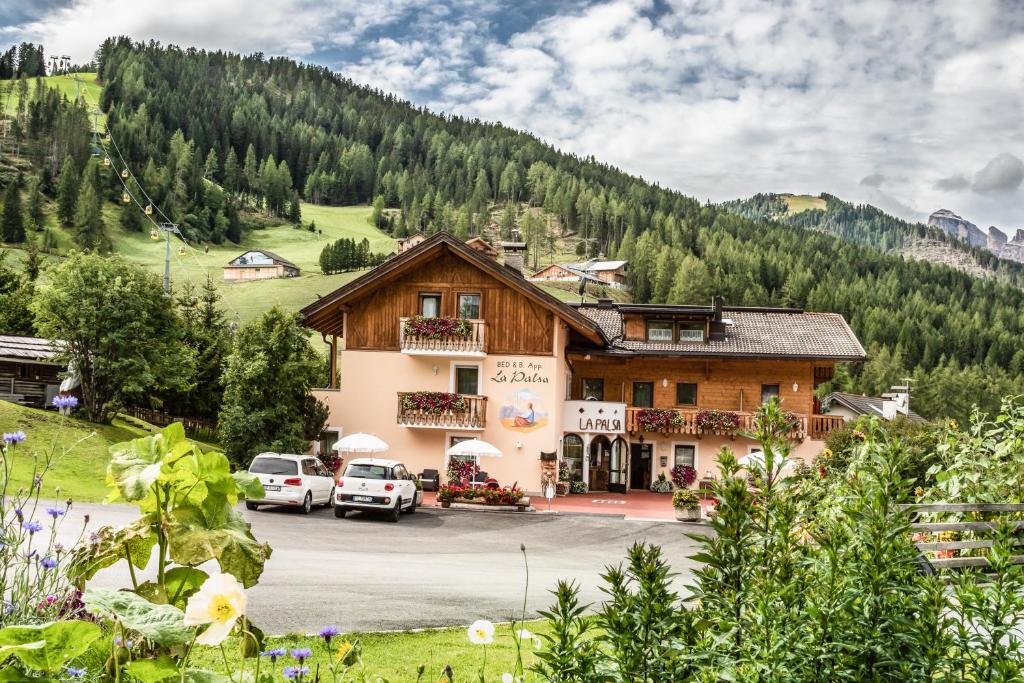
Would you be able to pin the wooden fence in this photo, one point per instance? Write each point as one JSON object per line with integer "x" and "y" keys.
{"x": 161, "y": 419}
{"x": 950, "y": 556}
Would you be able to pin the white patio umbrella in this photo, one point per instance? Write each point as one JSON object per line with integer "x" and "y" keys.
{"x": 757, "y": 458}
{"x": 474, "y": 447}
{"x": 360, "y": 443}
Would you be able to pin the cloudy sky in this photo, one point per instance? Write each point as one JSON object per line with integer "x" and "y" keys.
{"x": 912, "y": 105}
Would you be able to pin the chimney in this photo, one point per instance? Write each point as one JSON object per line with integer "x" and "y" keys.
{"x": 605, "y": 303}
{"x": 716, "y": 304}
{"x": 513, "y": 253}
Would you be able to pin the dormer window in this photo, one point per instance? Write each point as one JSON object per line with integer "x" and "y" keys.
{"x": 660, "y": 331}
{"x": 691, "y": 332}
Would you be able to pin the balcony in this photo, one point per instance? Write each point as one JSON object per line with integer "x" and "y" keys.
{"x": 454, "y": 337}
{"x": 814, "y": 426}
{"x": 434, "y": 410}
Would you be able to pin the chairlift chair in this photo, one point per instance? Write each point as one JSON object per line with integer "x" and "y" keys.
{"x": 124, "y": 173}
{"x": 149, "y": 209}
{"x": 154, "y": 234}
{"x": 126, "y": 198}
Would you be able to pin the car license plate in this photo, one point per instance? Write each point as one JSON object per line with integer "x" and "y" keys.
{"x": 362, "y": 499}
{"x": 271, "y": 488}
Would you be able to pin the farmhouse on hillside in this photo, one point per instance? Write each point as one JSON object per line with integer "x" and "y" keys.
{"x": 611, "y": 273}
{"x": 622, "y": 393}
{"x": 407, "y": 243}
{"x": 29, "y": 373}
{"x": 259, "y": 264}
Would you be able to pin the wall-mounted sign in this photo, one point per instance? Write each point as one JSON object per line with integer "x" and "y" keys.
{"x": 519, "y": 372}
{"x": 594, "y": 416}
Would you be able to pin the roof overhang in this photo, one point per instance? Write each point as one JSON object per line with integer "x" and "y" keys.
{"x": 707, "y": 355}
{"x": 322, "y": 314}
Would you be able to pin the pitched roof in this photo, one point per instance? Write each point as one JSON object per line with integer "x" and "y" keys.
{"x": 753, "y": 333}
{"x": 603, "y": 265}
{"x": 27, "y": 348}
{"x": 572, "y": 271}
{"x": 863, "y": 405}
{"x": 271, "y": 255}
{"x": 318, "y": 314}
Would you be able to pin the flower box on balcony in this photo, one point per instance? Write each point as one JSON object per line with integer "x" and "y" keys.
{"x": 658, "y": 419}
{"x": 718, "y": 422}
{"x": 437, "y": 328}
{"x": 433, "y": 402}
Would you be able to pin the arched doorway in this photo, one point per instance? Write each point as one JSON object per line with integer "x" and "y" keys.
{"x": 600, "y": 463}
{"x": 617, "y": 466}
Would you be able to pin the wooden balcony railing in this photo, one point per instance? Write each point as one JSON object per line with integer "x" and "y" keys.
{"x": 820, "y": 426}
{"x": 454, "y": 345}
{"x": 813, "y": 426}
{"x": 472, "y": 416}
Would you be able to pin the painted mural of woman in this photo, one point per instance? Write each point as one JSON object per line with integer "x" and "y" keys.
{"x": 527, "y": 418}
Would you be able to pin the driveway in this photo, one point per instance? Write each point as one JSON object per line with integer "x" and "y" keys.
{"x": 433, "y": 568}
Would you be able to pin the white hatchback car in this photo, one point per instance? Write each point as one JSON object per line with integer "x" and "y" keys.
{"x": 372, "y": 484}
{"x": 298, "y": 480}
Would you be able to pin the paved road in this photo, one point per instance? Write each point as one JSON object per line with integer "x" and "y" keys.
{"x": 433, "y": 568}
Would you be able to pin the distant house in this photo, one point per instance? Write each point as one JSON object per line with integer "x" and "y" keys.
{"x": 483, "y": 246}
{"x": 887, "y": 406}
{"x": 407, "y": 243}
{"x": 259, "y": 265}
{"x": 611, "y": 273}
{"x": 29, "y": 373}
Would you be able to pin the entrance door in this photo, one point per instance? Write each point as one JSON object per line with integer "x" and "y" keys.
{"x": 617, "y": 465}
{"x": 640, "y": 466}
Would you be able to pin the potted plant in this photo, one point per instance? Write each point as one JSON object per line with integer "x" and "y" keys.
{"x": 658, "y": 419}
{"x": 419, "y": 490}
{"x": 578, "y": 486}
{"x": 437, "y": 328}
{"x": 687, "y": 505}
{"x": 447, "y": 493}
{"x": 718, "y": 422}
{"x": 683, "y": 476}
{"x": 662, "y": 484}
{"x": 562, "y": 485}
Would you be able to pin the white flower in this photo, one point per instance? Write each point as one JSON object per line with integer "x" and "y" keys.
{"x": 507, "y": 678}
{"x": 219, "y": 603}
{"x": 524, "y": 634}
{"x": 481, "y": 632}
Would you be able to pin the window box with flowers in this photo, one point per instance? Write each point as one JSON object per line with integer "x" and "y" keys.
{"x": 433, "y": 402}
{"x": 658, "y": 419}
{"x": 437, "y": 328}
{"x": 721, "y": 422}
{"x": 687, "y": 505}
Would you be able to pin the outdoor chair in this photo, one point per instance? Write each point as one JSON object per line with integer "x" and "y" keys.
{"x": 429, "y": 479}
{"x": 479, "y": 478}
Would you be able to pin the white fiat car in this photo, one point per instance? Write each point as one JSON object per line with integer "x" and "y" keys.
{"x": 300, "y": 481}
{"x": 372, "y": 484}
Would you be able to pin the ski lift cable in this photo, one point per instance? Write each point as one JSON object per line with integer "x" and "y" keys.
{"x": 124, "y": 164}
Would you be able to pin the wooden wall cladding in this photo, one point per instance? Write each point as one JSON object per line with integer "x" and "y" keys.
{"x": 515, "y": 324}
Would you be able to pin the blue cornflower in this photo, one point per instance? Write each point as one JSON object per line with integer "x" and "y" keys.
{"x": 302, "y": 654}
{"x": 65, "y": 401}
{"x": 274, "y": 654}
{"x": 19, "y": 514}
{"x": 31, "y": 527}
{"x": 48, "y": 562}
{"x": 295, "y": 671}
{"x": 14, "y": 437}
{"x": 328, "y": 632}
{"x": 54, "y": 512}
{"x": 73, "y": 672}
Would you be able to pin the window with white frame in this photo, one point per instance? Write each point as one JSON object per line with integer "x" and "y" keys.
{"x": 684, "y": 454}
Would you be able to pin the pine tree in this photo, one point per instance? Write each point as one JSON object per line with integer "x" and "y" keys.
{"x": 231, "y": 171}
{"x": 12, "y": 220}
{"x": 67, "y": 192}
{"x": 211, "y": 167}
{"x": 89, "y": 232}
{"x": 33, "y": 262}
{"x": 35, "y": 210}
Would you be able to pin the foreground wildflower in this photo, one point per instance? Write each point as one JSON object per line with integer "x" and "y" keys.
{"x": 14, "y": 437}
{"x": 481, "y": 632}
{"x": 32, "y": 527}
{"x": 219, "y": 603}
{"x": 65, "y": 401}
{"x": 328, "y": 632}
{"x": 54, "y": 512}
{"x": 294, "y": 672}
{"x": 73, "y": 672}
{"x": 302, "y": 654}
{"x": 344, "y": 650}
{"x": 48, "y": 563}
{"x": 274, "y": 654}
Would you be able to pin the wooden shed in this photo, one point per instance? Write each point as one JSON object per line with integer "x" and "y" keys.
{"x": 29, "y": 373}
{"x": 259, "y": 264}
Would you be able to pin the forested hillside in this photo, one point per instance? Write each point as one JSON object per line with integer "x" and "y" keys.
{"x": 216, "y": 132}
{"x": 868, "y": 225}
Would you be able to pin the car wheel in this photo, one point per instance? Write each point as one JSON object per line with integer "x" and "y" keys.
{"x": 339, "y": 512}
{"x": 249, "y": 505}
{"x": 395, "y": 511}
{"x": 307, "y": 503}
{"x": 330, "y": 498}
{"x": 412, "y": 505}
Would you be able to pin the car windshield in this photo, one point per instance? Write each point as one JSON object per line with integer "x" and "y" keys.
{"x": 274, "y": 466}
{"x": 361, "y": 471}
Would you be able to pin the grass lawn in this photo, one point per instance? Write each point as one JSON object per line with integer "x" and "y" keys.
{"x": 796, "y": 203}
{"x": 247, "y": 300}
{"x": 396, "y": 656}
{"x": 66, "y": 85}
{"x": 79, "y": 472}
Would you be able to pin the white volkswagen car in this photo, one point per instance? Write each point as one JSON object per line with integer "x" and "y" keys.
{"x": 300, "y": 481}
{"x": 372, "y": 484}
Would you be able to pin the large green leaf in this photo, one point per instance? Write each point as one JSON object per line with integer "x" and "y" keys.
{"x": 109, "y": 545}
{"x": 163, "y": 624}
{"x": 180, "y": 584}
{"x": 204, "y": 676}
{"x": 229, "y": 541}
{"x": 153, "y": 670}
{"x": 135, "y": 465}
{"x": 62, "y": 642}
{"x": 12, "y": 675}
{"x": 249, "y": 485}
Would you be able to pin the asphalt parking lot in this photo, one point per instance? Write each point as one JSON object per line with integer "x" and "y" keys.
{"x": 433, "y": 568}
